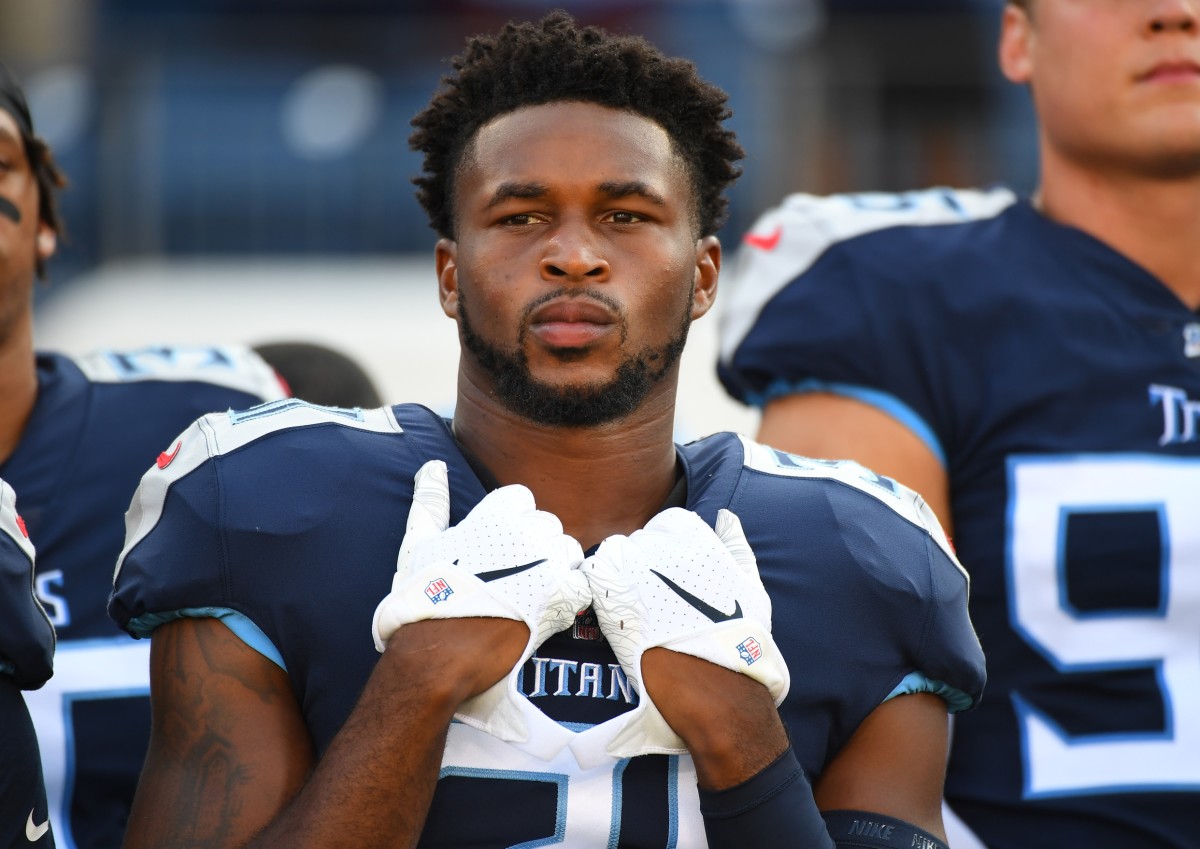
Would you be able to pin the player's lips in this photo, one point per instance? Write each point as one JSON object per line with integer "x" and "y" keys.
{"x": 571, "y": 323}
{"x": 1172, "y": 70}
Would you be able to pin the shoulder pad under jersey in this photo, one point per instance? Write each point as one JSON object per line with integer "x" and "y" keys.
{"x": 236, "y": 367}
{"x": 904, "y": 501}
{"x": 222, "y": 433}
{"x": 786, "y": 241}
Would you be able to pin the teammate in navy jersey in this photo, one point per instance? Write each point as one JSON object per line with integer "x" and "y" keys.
{"x": 581, "y": 643}
{"x": 1032, "y": 367}
{"x": 26, "y": 662}
{"x": 75, "y": 436}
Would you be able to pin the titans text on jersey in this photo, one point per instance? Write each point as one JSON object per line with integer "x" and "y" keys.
{"x": 1058, "y": 383}
{"x": 98, "y": 423}
{"x": 1179, "y": 413}
{"x": 247, "y": 521}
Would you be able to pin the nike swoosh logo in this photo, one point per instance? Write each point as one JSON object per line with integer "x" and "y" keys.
{"x": 164, "y": 459}
{"x": 766, "y": 242}
{"x": 700, "y": 604}
{"x": 33, "y": 833}
{"x": 504, "y": 573}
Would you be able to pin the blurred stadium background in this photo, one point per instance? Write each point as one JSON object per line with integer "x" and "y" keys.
{"x": 239, "y": 168}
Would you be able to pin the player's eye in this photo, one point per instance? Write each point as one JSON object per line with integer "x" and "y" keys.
{"x": 624, "y": 217}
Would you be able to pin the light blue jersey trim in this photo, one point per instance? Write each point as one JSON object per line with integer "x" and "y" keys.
{"x": 916, "y": 682}
{"x": 239, "y": 623}
{"x": 881, "y": 401}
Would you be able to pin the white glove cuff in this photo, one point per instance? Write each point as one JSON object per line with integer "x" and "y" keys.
{"x": 438, "y": 592}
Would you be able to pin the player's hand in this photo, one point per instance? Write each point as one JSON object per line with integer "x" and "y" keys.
{"x": 506, "y": 559}
{"x": 680, "y": 585}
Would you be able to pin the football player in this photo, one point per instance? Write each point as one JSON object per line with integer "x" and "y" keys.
{"x": 75, "y": 436}
{"x": 26, "y": 662}
{"x": 590, "y": 636}
{"x": 1032, "y": 367}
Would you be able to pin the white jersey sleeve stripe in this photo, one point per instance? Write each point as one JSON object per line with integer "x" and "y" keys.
{"x": 235, "y": 367}
{"x": 907, "y": 502}
{"x": 8, "y": 521}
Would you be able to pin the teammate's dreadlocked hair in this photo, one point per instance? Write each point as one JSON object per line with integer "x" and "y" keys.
{"x": 554, "y": 60}
{"x": 50, "y": 178}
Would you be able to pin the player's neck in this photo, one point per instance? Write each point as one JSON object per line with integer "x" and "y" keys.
{"x": 598, "y": 481}
{"x": 18, "y": 385}
{"x": 1153, "y": 221}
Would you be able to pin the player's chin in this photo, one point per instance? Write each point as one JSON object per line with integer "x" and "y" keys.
{"x": 584, "y": 403}
{"x": 1167, "y": 141}
{"x": 571, "y": 355}
{"x": 1174, "y": 156}
{"x": 573, "y": 369}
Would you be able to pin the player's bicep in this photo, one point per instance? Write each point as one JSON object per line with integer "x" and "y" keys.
{"x": 228, "y": 745}
{"x": 836, "y": 427}
{"x": 895, "y": 764}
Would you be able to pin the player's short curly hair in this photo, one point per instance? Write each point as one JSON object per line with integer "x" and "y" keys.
{"x": 528, "y": 64}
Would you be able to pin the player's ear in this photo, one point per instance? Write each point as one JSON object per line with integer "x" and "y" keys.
{"x": 47, "y": 242}
{"x": 708, "y": 269}
{"x": 446, "y": 260}
{"x": 1016, "y": 44}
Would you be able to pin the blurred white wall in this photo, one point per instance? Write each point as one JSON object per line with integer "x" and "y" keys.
{"x": 381, "y": 311}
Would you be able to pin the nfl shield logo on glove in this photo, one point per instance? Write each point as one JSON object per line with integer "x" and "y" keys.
{"x": 749, "y": 650}
{"x": 438, "y": 590}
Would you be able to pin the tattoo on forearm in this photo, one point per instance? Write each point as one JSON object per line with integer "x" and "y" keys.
{"x": 199, "y": 769}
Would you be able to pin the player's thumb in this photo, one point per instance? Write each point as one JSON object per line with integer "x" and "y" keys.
{"x": 608, "y": 562}
{"x": 429, "y": 514}
{"x": 729, "y": 529}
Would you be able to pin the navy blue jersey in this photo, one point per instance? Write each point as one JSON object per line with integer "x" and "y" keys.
{"x": 26, "y": 635}
{"x": 285, "y": 521}
{"x": 98, "y": 423}
{"x": 1059, "y": 383}
{"x": 26, "y": 660}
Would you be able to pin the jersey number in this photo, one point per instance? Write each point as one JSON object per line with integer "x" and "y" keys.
{"x": 517, "y": 801}
{"x": 101, "y": 670}
{"x": 1163, "y": 637}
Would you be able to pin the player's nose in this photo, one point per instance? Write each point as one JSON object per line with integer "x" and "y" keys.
{"x": 573, "y": 254}
{"x": 1173, "y": 16}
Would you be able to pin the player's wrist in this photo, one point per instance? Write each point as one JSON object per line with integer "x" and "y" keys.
{"x": 772, "y": 807}
{"x": 728, "y": 721}
{"x": 455, "y": 659}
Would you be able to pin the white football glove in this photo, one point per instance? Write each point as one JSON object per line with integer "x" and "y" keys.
{"x": 679, "y": 584}
{"x": 506, "y": 559}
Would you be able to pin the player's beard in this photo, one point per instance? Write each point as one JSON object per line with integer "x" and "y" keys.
{"x": 572, "y": 406}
